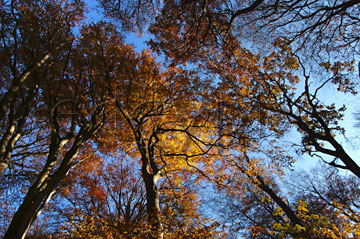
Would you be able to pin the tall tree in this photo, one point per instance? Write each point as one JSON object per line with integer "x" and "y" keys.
{"x": 108, "y": 200}
{"x": 34, "y": 35}
{"x": 197, "y": 31}
{"x": 69, "y": 91}
{"x": 169, "y": 128}
{"x": 72, "y": 106}
{"x": 321, "y": 205}
{"x": 318, "y": 122}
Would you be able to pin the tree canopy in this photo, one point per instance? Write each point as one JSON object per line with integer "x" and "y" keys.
{"x": 198, "y": 136}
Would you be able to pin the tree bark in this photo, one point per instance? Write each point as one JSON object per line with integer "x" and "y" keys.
{"x": 16, "y": 118}
{"x": 29, "y": 210}
{"x": 153, "y": 205}
{"x": 37, "y": 196}
{"x": 286, "y": 208}
{"x": 41, "y": 190}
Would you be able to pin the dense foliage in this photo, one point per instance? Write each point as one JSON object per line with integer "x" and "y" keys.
{"x": 194, "y": 137}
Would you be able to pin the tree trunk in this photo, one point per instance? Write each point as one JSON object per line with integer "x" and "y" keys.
{"x": 286, "y": 208}
{"x": 153, "y": 205}
{"x": 41, "y": 190}
{"x": 16, "y": 118}
{"x": 29, "y": 210}
{"x": 3, "y": 166}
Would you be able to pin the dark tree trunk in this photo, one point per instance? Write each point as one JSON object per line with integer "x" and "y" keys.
{"x": 153, "y": 205}
{"x": 41, "y": 190}
{"x": 38, "y": 196}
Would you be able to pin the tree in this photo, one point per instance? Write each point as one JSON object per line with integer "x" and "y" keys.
{"x": 101, "y": 199}
{"x": 318, "y": 28}
{"x": 169, "y": 129}
{"x": 32, "y": 40}
{"x": 134, "y": 16}
{"x": 107, "y": 200}
{"x": 317, "y": 122}
{"x": 77, "y": 93}
{"x": 323, "y": 205}
{"x": 192, "y": 30}
{"x": 71, "y": 107}
{"x": 194, "y": 25}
